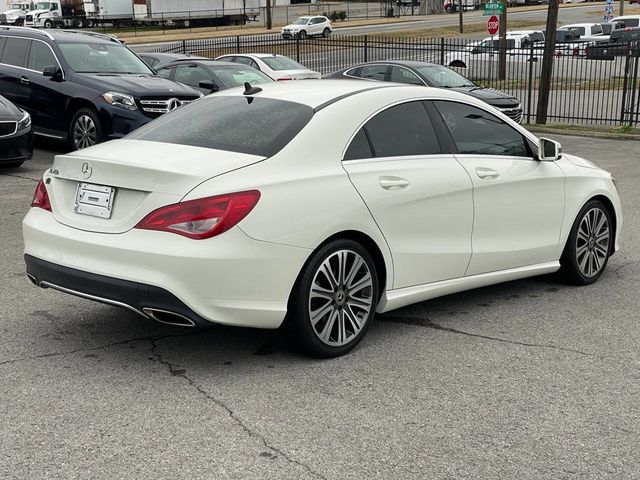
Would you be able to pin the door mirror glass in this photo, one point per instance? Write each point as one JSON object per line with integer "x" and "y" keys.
{"x": 52, "y": 71}
{"x": 208, "y": 85}
{"x": 549, "y": 150}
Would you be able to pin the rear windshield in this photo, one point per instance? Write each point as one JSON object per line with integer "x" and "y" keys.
{"x": 251, "y": 125}
{"x": 282, "y": 63}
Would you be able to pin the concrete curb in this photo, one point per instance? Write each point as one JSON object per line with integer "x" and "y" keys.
{"x": 582, "y": 133}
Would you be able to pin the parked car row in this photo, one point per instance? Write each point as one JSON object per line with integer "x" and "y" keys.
{"x": 85, "y": 88}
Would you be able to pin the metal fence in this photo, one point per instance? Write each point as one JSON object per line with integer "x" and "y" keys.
{"x": 583, "y": 90}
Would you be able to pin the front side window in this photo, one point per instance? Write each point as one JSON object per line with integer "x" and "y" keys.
{"x": 476, "y": 132}
{"x": 165, "y": 72}
{"x": 102, "y": 58}
{"x": 631, "y": 22}
{"x": 440, "y": 76}
{"x": 404, "y": 75}
{"x": 191, "y": 75}
{"x": 250, "y": 125}
{"x": 402, "y": 130}
{"x": 229, "y": 77}
{"x": 40, "y": 56}
{"x": 374, "y": 72}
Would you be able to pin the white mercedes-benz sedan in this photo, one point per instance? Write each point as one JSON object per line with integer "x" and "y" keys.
{"x": 313, "y": 205}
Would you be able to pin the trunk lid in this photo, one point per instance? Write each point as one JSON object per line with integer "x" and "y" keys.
{"x": 139, "y": 176}
{"x": 298, "y": 74}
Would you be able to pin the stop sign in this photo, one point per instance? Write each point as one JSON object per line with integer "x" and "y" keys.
{"x": 493, "y": 24}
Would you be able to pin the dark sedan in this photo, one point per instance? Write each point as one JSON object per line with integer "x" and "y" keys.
{"x": 432, "y": 75}
{"x": 159, "y": 60}
{"x": 209, "y": 76}
{"x": 16, "y": 135}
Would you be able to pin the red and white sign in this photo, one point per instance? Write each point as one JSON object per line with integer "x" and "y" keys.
{"x": 493, "y": 24}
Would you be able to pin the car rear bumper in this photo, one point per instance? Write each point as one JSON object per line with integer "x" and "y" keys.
{"x": 229, "y": 279}
{"x": 16, "y": 148}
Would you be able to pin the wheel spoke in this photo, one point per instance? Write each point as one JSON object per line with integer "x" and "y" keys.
{"x": 361, "y": 303}
{"x": 355, "y": 267}
{"x": 325, "y": 335}
{"x": 326, "y": 271}
{"x": 581, "y": 250}
{"x": 319, "y": 313}
{"x": 353, "y": 318}
{"x": 322, "y": 293}
{"x": 362, "y": 283}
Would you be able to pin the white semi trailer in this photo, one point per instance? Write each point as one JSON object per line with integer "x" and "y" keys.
{"x": 203, "y": 12}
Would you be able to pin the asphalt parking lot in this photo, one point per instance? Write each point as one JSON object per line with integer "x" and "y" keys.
{"x": 529, "y": 379}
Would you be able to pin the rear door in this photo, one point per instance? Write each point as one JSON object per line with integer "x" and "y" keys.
{"x": 420, "y": 197}
{"x": 14, "y": 84}
{"x": 518, "y": 200}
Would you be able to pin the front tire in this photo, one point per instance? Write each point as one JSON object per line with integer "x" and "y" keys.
{"x": 11, "y": 164}
{"x": 334, "y": 300}
{"x": 589, "y": 245}
{"x": 48, "y": 24}
{"x": 85, "y": 129}
{"x": 302, "y": 35}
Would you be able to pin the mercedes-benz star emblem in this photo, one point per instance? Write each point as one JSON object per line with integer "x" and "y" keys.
{"x": 86, "y": 170}
{"x": 173, "y": 104}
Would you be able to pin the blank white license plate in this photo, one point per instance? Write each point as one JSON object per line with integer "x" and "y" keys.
{"x": 94, "y": 200}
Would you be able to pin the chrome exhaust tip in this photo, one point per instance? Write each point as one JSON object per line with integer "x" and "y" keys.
{"x": 32, "y": 279}
{"x": 168, "y": 318}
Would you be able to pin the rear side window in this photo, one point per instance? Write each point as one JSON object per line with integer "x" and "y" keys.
{"x": 40, "y": 56}
{"x": 477, "y": 132}
{"x": 631, "y": 22}
{"x": 374, "y": 72}
{"x": 15, "y": 52}
{"x": 255, "y": 126}
{"x": 402, "y": 130}
{"x": 359, "y": 147}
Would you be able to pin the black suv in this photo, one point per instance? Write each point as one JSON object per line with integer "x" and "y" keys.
{"x": 82, "y": 87}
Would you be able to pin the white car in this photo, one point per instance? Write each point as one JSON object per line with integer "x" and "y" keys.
{"x": 305, "y": 27}
{"x": 275, "y": 66}
{"x": 313, "y": 207}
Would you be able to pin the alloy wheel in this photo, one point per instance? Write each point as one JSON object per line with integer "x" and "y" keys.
{"x": 592, "y": 242}
{"x": 84, "y": 132}
{"x": 340, "y": 298}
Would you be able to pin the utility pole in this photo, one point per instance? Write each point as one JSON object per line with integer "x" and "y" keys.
{"x": 621, "y": 8}
{"x": 502, "y": 33}
{"x": 269, "y": 19}
{"x": 547, "y": 63}
{"x": 460, "y": 15}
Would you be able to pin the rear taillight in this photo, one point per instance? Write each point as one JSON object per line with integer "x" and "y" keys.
{"x": 204, "y": 217}
{"x": 41, "y": 197}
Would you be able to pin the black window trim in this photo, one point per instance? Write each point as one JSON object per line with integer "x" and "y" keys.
{"x": 447, "y": 133}
{"x": 29, "y": 50}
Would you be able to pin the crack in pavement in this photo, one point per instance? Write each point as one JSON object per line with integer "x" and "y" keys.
{"x": 150, "y": 339}
{"x": 181, "y": 373}
{"x": 19, "y": 176}
{"x": 426, "y": 323}
{"x": 624, "y": 265}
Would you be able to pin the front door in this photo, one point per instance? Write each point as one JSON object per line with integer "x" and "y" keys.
{"x": 518, "y": 200}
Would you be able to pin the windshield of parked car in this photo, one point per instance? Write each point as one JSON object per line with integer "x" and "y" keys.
{"x": 230, "y": 77}
{"x": 18, "y": 6}
{"x": 102, "y": 58}
{"x": 440, "y": 76}
{"x": 282, "y": 63}
{"x": 301, "y": 21}
{"x": 251, "y": 125}
{"x": 42, "y": 6}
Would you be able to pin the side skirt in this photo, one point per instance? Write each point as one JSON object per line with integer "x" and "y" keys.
{"x": 402, "y": 297}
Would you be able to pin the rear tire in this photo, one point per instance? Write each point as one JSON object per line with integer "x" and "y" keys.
{"x": 326, "y": 32}
{"x": 85, "y": 129}
{"x": 589, "y": 245}
{"x": 333, "y": 300}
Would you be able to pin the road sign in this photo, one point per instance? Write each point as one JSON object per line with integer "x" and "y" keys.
{"x": 492, "y": 8}
{"x": 492, "y": 25}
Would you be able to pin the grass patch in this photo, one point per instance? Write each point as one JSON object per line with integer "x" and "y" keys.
{"x": 594, "y": 129}
{"x": 612, "y": 83}
{"x": 452, "y": 31}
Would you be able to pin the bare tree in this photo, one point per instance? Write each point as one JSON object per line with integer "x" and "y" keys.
{"x": 547, "y": 63}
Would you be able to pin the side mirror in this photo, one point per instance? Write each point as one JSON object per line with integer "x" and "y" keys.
{"x": 208, "y": 85}
{"x": 549, "y": 150}
{"x": 52, "y": 71}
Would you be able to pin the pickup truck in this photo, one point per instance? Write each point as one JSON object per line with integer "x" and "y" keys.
{"x": 589, "y": 32}
{"x": 620, "y": 42}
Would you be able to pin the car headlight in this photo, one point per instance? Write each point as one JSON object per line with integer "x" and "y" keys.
{"x": 120, "y": 100}
{"x": 25, "y": 121}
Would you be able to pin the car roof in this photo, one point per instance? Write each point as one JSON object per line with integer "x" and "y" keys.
{"x": 571, "y": 25}
{"x": 62, "y": 36}
{"x": 207, "y": 62}
{"x": 258, "y": 55}
{"x": 402, "y": 63}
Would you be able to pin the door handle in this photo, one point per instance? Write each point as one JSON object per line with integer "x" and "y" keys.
{"x": 393, "y": 183}
{"x": 487, "y": 173}
{"x": 25, "y": 81}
